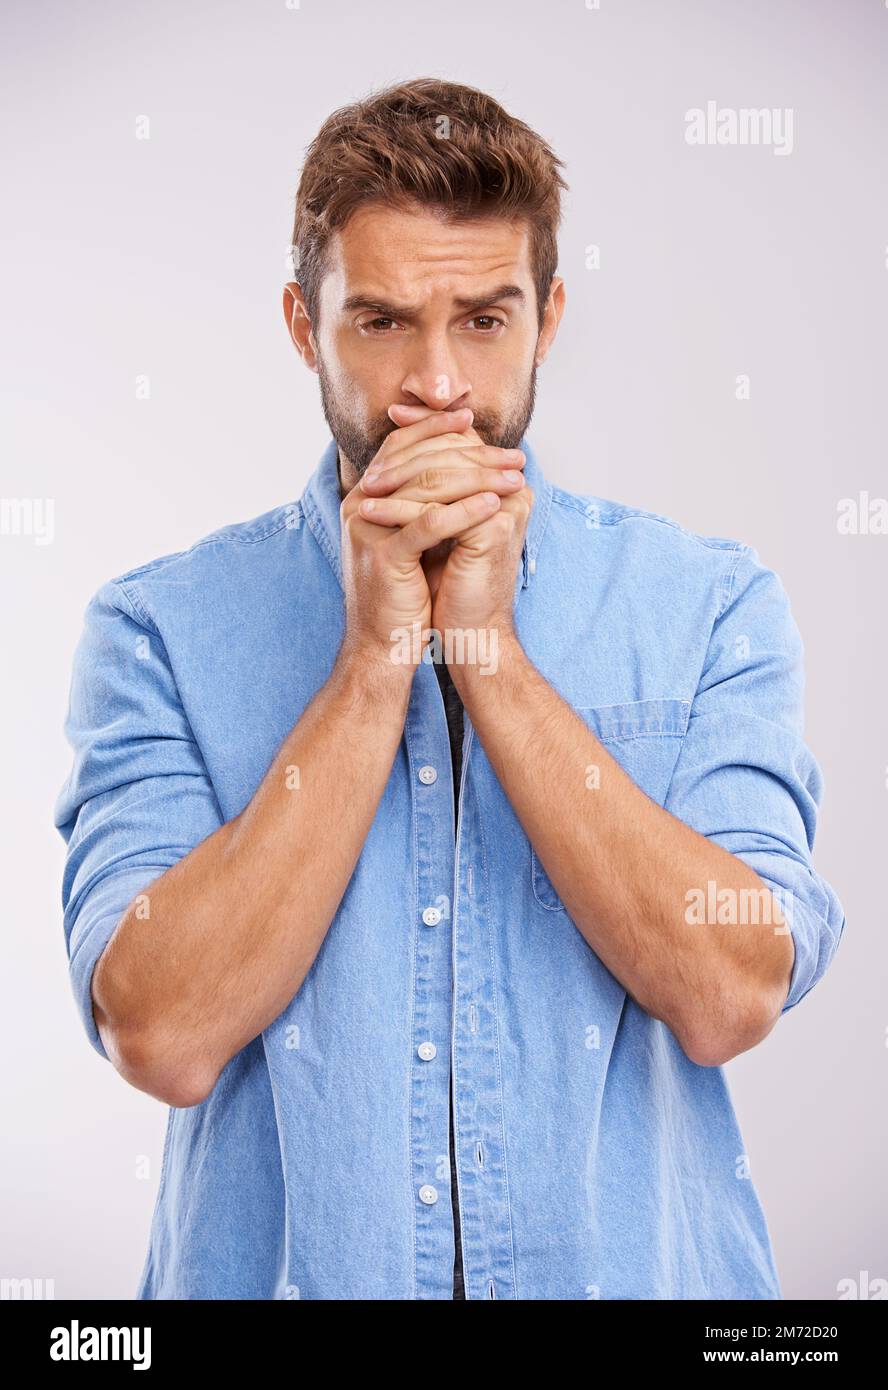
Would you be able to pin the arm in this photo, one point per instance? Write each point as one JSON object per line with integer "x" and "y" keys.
{"x": 737, "y": 827}
{"x": 623, "y": 866}
{"x": 234, "y": 926}
{"x": 739, "y": 817}
{"x": 740, "y": 814}
{"x": 172, "y": 982}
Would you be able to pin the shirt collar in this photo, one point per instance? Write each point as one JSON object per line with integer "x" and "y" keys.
{"x": 321, "y": 501}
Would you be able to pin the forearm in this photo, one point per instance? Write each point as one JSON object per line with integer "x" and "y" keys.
{"x": 232, "y": 929}
{"x": 623, "y": 867}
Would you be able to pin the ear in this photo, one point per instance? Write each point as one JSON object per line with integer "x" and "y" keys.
{"x": 299, "y": 324}
{"x": 551, "y": 319}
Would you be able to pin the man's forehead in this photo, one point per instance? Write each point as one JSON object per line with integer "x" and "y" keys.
{"x": 385, "y": 252}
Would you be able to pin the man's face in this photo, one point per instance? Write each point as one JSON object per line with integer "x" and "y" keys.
{"x": 421, "y": 312}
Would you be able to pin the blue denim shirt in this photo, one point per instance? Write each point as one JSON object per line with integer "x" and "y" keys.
{"x": 594, "y": 1159}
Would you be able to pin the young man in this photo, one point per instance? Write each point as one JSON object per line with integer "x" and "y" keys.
{"x": 436, "y": 961}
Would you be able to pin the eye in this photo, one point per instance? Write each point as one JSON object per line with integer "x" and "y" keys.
{"x": 491, "y": 331}
{"x": 377, "y": 327}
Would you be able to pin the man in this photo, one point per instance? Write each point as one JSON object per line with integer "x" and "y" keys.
{"x": 440, "y": 1007}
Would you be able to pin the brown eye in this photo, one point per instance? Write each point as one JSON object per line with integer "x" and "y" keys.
{"x": 376, "y": 328}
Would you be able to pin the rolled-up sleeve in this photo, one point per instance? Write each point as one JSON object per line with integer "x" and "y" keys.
{"x": 744, "y": 776}
{"x": 138, "y": 797}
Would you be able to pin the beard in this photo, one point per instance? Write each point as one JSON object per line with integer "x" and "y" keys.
{"x": 360, "y": 442}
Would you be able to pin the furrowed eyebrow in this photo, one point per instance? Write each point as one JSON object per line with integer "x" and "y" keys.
{"x": 482, "y": 301}
{"x": 409, "y": 311}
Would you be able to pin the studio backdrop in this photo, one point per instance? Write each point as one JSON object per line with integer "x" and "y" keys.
{"x": 721, "y": 362}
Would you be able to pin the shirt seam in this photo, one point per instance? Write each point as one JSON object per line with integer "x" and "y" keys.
{"x": 572, "y": 502}
{"x": 232, "y": 538}
{"x": 499, "y": 1073}
{"x": 143, "y": 617}
{"x": 729, "y": 581}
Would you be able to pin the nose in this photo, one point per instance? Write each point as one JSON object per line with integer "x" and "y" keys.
{"x": 434, "y": 378}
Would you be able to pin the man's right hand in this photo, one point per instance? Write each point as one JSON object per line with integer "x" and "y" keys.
{"x": 385, "y": 584}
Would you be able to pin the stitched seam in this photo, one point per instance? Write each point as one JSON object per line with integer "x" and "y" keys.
{"x": 539, "y": 529}
{"x": 215, "y": 539}
{"x": 138, "y": 608}
{"x": 730, "y": 578}
{"x": 615, "y": 727}
{"x": 140, "y": 612}
{"x": 498, "y": 1055}
{"x": 570, "y": 501}
{"x": 318, "y": 530}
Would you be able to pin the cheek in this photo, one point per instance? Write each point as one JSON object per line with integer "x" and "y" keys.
{"x": 361, "y": 377}
{"x": 513, "y": 356}
{"x": 501, "y": 379}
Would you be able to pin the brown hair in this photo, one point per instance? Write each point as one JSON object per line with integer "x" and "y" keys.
{"x": 449, "y": 148}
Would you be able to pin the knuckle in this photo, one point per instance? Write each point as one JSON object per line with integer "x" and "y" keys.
{"x": 430, "y": 479}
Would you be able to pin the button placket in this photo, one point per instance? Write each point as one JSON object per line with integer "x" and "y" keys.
{"x": 428, "y": 749}
{"x": 486, "y": 1231}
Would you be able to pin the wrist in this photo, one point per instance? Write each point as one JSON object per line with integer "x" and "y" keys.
{"x": 367, "y": 674}
{"x": 495, "y": 649}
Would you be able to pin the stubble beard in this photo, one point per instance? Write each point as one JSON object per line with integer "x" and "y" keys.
{"x": 360, "y": 443}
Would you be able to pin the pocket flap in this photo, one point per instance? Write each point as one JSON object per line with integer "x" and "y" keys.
{"x": 637, "y": 719}
{"x": 640, "y": 729}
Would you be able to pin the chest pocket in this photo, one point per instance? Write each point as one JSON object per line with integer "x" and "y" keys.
{"x": 644, "y": 737}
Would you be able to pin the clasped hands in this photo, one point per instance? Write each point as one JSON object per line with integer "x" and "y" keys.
{"x": 437, "y": 524}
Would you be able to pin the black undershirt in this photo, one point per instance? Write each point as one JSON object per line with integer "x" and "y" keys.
{"x": 454, "y": 710}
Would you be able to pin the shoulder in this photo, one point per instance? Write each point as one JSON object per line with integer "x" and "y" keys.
{"x": 655, "y": 546}
{"x": 222, "y": 557}
{"x": 662, "y": 530}
{"x": 213, "y": 546}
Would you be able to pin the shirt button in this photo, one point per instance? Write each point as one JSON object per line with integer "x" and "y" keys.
{"x": 428, "y": 1194}
{"x": 432, "y": 916}
{"x": 428, "y": 774}
{"x": 427, "y": 1051}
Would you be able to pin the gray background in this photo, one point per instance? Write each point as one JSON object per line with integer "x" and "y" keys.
{"x": 166, "y": 256}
